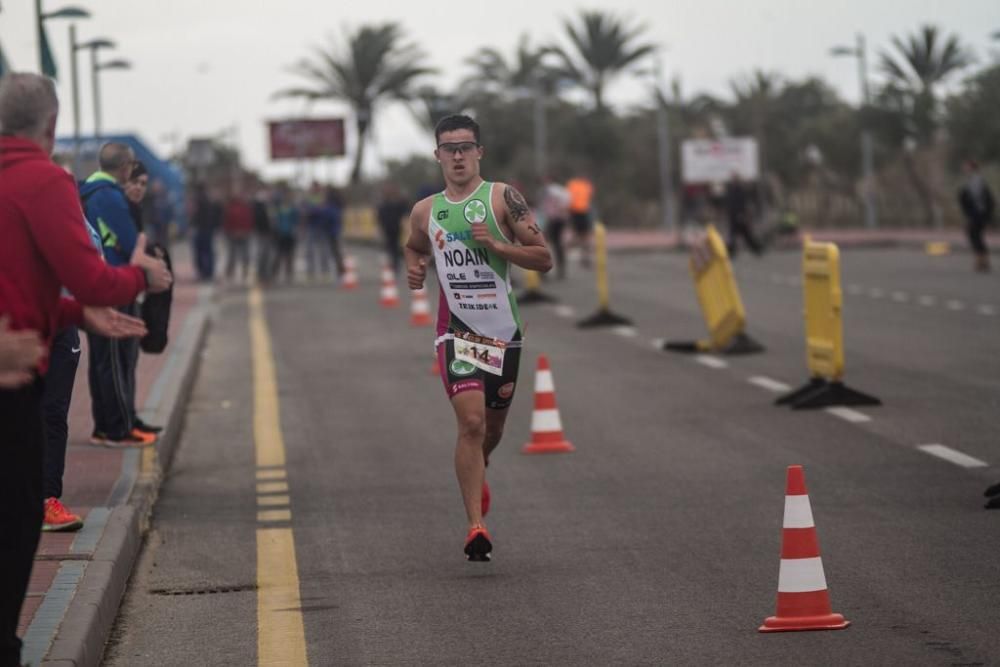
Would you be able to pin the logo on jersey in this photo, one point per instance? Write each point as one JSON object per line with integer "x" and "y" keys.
{"x": 439, "y": 239}
{"x": 506, "y": 391}
{"x": 459, "y": 367}
{"x": 475, "y": 211}
{"x": 442, "y": 215}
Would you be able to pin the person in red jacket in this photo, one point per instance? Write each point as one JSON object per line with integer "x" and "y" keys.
{"x": 45, "y": 248}
{"x": 237, "y": 225}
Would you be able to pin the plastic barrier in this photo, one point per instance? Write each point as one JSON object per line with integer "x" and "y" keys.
{"x": 603, "y": 317}
{"x": 360, "y": 224}
{"x": 719, "y": 297}
{"x": 824, "y": 333}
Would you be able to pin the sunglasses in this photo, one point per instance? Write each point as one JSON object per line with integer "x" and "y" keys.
{"x": 460, "y": 147}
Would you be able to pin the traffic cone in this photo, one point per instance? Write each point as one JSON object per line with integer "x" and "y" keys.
{"x": 350, "y": 279}
{"x": 420, "y": 310}
{"x": 546, "y": 427}
{"x": 803, "y": 599}
{"x": 389, "y": 297}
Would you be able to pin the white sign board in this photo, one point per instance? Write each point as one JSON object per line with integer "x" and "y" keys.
{"x": 715, "y": 160}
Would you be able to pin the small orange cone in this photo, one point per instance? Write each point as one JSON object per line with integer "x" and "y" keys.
{"x": 350, "y": 278}
{"x": 803, "y": 599}
{"x": 546, "y": 426}
{"x": 420, "y": 310}
{"x": 389, "y": 296}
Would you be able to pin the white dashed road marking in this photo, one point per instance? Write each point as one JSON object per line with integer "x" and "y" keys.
{"x": 876, "y": 292}
{"x": 953, "y": 455}
{"x": 769, "y": 384}
{"x": 657, "y": 343}
{"x": 987, "y": 309}
{"x": 626, "y": 331}
{"x": 900, "y": 297}
{"x": 955, "y": 304}
{"x": 927, "y": 300}
{"x": 850, "y": 415}
{"x": 711, "y": 362}
{"x": 855, "y": 289}
{"x": 565, "y": 311}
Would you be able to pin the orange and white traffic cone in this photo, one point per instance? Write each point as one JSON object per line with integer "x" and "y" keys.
{"x": 420, "y": 310}
{"x": 803, "y": 599}
{"x": 350, "y": 278}
{"x": 546, "y": 426}
{"x": 389, "y": 296}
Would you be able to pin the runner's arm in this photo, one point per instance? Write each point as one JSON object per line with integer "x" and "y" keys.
{"x": 530, "y": 251}
{"x": 418, "y": 246}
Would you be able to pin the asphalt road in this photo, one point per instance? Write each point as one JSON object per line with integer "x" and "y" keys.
{"x": 657, "y": 542}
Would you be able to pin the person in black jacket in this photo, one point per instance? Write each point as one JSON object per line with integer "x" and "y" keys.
{"x": 976, "y": 201}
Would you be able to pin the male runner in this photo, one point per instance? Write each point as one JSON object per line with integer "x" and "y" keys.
{"x": 475, "y": 229}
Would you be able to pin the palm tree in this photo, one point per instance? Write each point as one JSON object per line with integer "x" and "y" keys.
{"x": 376, "y": 66}
{"x": 603, "y": 47}
{"x": 527, "y": 73}
{"x": 755, "y": 96}
{"x": 921, "y": 63}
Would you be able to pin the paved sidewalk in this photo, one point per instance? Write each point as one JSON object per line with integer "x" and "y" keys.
{"x": 78, "y": 578}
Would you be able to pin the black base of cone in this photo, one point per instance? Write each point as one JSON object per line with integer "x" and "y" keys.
{"x": 529, "y": 297}
{"x": 743, "y": 344}
{"x": 819, "y": 393}
{"x": 603, "y": 318}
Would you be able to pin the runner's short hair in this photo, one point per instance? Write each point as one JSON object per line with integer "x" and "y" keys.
{"x": 456, "y": 122}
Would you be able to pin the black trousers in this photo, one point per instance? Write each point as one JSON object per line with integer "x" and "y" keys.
{"x": 111, "y": 376}
{"x": 390, "y": 237}
{"x": 742, "y": 230}
{"x": 22, "y": 442}
{"x": 59, "y": 380}
{"x": 974, "y": 230}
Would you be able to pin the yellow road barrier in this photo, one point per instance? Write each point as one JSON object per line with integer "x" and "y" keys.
{"x": 533, "y": 292}
{"x": 824, "y": 333}
{"x": 360, "y": 224}
{"x": 719, "y": 297}
{"x": 937, "y": 248}
{"x": 603, "y": 317}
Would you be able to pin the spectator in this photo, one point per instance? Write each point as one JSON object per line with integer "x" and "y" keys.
{"x": 286, "y": 224}
{"x": 332, "y": 215}
{"x": 977, "y": 204}
{"x": 205, "y": 218}
{"x": 157, "y": 213}
{"x": 265, "y": 235}
{"x": 555, "y": 209}
{"x": 111, "y": 372}
{"x": 581, "y": 213}
{"x": 391, "y": 212}
{"x": 317, "y": 234}
{"x": 237, "y": 225}
{"x": 739, "y": 212}
{"x": 45, "y": 246}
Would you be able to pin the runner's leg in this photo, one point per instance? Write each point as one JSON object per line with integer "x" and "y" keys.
{"x": 495, "y": 420}
{"x": 470, "y": 409}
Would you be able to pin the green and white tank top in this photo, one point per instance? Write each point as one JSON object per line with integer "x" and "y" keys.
{"x": 475, "y": 282}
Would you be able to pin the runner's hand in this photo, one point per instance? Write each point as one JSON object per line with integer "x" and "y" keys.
{"x": 20, "y": 351}
{"x": 158, "y": 277}
{"x": 481, "y": 234}
{"x": 416, "y": 273}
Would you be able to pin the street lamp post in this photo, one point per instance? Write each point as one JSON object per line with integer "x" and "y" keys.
{"x": 663, "y": 137}
{"x": 867, "y": 149}
{"x": 71, "y": 12}
{"x": 95, "y": 68}
{"x": 75, "y": 46}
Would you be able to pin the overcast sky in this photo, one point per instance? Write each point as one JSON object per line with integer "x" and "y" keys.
{"x": 205, "y": 67}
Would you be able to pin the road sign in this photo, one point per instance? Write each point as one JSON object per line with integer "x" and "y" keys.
{"x": 306, "y": 138}
{"x": 715, "y": 160}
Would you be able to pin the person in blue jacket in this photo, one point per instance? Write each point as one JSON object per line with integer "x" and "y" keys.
{"x": 111, "y": 369}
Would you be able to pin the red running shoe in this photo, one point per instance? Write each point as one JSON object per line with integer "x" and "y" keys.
{"x": 485, "y": 498}
{"x": 58, "y": 518}
{"x": 478, "y": 547}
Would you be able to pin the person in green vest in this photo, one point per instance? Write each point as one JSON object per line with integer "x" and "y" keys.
{"x": 475, "y": 230}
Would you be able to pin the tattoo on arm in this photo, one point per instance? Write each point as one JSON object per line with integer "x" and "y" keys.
{"x": 516, "y": 206}
{"x": 534, "y": 229}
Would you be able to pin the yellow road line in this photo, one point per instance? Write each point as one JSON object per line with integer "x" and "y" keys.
{"x": 271, "y": 474}
{"x": 281, "y": 637}
{"x": 271, "y": 501}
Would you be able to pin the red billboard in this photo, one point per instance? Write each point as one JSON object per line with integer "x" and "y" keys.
{"x": 305, "y": 138}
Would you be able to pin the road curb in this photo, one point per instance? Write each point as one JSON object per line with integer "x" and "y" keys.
{"x": 91, "y": 614}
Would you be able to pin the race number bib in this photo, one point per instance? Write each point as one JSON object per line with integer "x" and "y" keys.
{"x": 484, "y": 353}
